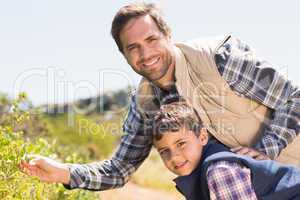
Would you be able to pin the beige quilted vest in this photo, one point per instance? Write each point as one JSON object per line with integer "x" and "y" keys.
{"x": 232, "y": 119}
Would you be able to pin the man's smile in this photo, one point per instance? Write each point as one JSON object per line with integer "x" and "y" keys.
{"x": 149, "y": 64}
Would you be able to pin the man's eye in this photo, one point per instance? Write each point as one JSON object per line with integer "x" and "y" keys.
{"x": 153, "y": 39}
{"x": 131, "y": 48}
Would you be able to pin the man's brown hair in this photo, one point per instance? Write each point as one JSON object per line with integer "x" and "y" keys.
{"x": 136, "y": 10}
{"x": 174, "y": 116}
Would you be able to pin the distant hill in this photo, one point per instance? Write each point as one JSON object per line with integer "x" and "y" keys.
{"x": 99, "y": 104}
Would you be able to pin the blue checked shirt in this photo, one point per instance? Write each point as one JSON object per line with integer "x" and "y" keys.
{"x": 255, "y": 79}
{"x": 229, "y": 181}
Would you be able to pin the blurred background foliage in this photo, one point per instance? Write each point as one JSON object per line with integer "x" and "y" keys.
{"x": 66, "y": 135}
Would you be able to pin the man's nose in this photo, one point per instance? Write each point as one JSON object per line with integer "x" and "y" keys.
{"x": 145, "y": 53}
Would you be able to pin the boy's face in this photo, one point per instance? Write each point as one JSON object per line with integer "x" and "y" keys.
{"x": 181, "y": 151}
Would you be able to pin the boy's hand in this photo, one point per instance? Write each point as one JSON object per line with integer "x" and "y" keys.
{"x": 250, "y": 152}
{"x": 46, "y": 169}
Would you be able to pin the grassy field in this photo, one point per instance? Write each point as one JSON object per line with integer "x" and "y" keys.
{"x": 153, "y": 174}
{"x": 90, "y": 137}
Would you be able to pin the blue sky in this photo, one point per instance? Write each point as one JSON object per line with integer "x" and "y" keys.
{"x": 59, "y": 51}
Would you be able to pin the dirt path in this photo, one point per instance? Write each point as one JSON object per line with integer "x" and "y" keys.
{"x": 132, "y": 191}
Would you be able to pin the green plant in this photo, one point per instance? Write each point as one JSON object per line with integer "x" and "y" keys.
{"x": 14, "y": 147}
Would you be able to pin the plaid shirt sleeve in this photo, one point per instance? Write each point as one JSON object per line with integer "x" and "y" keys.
{"x": 229, "y": 180}
{"x": 134, "y": 148}
{"x": 256, "y": 79}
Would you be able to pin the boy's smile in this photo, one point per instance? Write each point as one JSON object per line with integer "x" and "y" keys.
{"x": 181, "y": 150}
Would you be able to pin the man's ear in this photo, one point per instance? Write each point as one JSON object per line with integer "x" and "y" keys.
{"x": 203, "y": 136}
{"x": 168, "y": 36}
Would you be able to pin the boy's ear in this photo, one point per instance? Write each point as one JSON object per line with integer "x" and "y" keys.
{"x": 203, "y": 136}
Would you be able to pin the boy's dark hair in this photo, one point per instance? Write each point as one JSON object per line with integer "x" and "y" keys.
{"x": 174, "y": 116}
{"x": 136, "y": 10}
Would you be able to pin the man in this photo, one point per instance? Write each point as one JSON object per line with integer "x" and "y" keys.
{"x": 242, "y": 100}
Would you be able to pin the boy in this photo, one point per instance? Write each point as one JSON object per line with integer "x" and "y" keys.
{"x": 208, "y": 170}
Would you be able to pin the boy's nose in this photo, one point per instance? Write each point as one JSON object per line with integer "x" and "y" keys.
{"x": 177, "y": 161}
{"x": 175, "y": 155}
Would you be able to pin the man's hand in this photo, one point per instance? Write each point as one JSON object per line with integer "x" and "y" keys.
{"x": 250, "y": 152}
{"x": 46, "y": 169}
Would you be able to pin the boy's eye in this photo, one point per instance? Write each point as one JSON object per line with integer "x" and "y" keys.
{"x": 181, "y": 144}
{"x": 165, "y": 154}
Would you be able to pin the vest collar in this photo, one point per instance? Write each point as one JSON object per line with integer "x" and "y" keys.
{"x": 181, "y": 69}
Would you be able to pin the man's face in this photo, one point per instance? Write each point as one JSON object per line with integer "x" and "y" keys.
{"x": 181, "y": 151}
{"x": 147, "y": 50}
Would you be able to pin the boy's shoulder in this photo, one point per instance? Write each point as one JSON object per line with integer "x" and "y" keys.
{"x": 223, "y": 167}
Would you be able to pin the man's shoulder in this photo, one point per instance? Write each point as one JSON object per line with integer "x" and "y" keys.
{"x": 210, "y": 44}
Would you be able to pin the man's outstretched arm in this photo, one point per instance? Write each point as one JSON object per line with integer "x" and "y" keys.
{"x": 258, "y": 80}
{"x": 133, "y": 150}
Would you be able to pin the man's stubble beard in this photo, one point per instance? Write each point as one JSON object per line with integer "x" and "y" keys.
{"x": 163, "y": 69}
